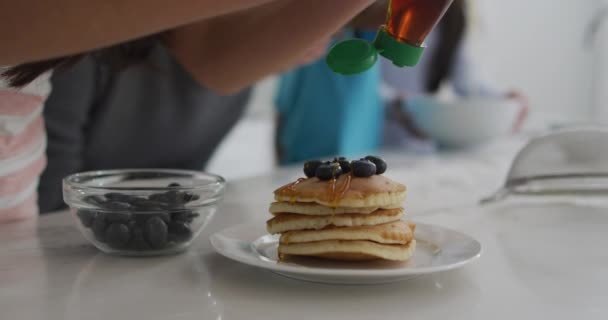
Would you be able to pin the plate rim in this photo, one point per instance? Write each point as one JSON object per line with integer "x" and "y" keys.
{"x": 253, "y": 260}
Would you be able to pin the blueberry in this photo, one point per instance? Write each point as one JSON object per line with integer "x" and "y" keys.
{"x": 177, "y": 197}
{"x": 329, "y": 171}
{"x": 159, "y": 197}
{"x": 138, "y": 241}
{"x": 117, "y": 206}
{"x": 86, "y": 217}
{"x": 345, "y": 165}
{"x": 95, "y": 200}
{"x": 99, "y": 227}
{"x": 339, "y": 159}
{"x": 165, "y": 216}
{"x": 174, "y": 185}
{"x": 181, "y": 216}
{"x": 185, "y": 216}
{"x": 118, "y": 217}
{"x": 363, "y": 168}
{"x": 155, "y": 232}
{"x": 142, "y": 218}
{"x": 118, "y": 235}
{"x": 173, "y": 197}
{"x": 179, "y": 231}
{"x": 135, "y": 201}
{"x": 380, "y": 164}
{"x": 115, "y": 196}
{"x": 156, "y": 206}
{"x": 324, "y": 172}
{"x": 188, "y": 197}
{"x": 310, "y": 168}
{"x": 144, "y": 205}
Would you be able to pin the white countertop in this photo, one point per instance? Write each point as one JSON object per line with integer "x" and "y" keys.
{"x": 539, "y": 261}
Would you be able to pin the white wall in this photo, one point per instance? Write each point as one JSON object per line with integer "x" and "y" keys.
{"x": 600, "y": 48}
{"x": 537, "y": 46}
{"x": 248, "y": 150}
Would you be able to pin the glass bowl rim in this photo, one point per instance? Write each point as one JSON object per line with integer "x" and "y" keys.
{"x": 74, "y": 180}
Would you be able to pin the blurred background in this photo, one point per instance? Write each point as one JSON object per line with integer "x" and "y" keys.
{"x": 555, "y": 51}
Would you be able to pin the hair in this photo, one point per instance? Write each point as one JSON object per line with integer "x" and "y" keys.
{"x": 116, "y": 57}
{"x": 451, "y": 32}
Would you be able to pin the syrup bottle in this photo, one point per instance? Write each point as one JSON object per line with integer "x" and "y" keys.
{"x": 400, "y": 40}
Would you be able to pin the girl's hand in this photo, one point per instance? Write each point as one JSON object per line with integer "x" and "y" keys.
{"x": 525, "y": 109}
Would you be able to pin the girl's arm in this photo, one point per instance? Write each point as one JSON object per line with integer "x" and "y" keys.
{"x": 231, "y": 52}
{"x": 32, "y": 30}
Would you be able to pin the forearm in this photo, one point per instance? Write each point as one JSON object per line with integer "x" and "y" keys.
{"x": 234, "y": 51}
{"x": 32, "y": 30}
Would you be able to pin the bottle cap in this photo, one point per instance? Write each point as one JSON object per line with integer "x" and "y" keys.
{"x": 398, "y": 52}
{"x": 352, "y": 56}
{"x": 357, "y": 55}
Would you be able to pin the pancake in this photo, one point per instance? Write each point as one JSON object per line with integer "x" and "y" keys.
{"x": 398, "y": 232}
{"x": 291, "y": 221}
{"x": 346, "y": 191}
{"x": 311, "y": 208}
{"x": 350, "y": 250}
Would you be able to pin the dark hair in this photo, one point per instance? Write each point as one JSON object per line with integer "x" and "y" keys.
{"x": 451, "y": 32}
{"x": 116, "y": 57}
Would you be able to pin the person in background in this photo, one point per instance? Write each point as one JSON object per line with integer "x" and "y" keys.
{"x": 321, "y": 113}
{"x": 152, "y": 114}
{"x": 209, "y": 39}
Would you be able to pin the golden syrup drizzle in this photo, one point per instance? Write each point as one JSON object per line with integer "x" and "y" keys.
{"x": 289, "y": 190}
{"x": 332, "y": 185}
{"x": 337, "y": 192}
{"x": 332, "y": 189}
{"x": 345, "y": 186}
{"x": 285, "y": 238}
{"x": 333, "y": 214}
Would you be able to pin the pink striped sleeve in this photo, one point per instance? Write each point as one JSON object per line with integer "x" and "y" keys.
{"x": 22, "y": 154}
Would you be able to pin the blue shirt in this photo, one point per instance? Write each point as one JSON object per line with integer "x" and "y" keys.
{"x": 325, "y": 114}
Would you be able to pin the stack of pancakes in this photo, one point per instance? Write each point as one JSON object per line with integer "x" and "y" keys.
{"x": 349, "y": 218}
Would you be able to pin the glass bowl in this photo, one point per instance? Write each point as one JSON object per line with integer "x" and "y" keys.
{"x": 142, "y": 212}
{"x": 570, "y": 162}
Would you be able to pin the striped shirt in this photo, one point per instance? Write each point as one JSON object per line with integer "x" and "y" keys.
{"x": 22, "y": 148}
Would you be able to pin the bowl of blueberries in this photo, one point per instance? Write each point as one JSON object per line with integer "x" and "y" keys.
{"x": 142, "y": 212}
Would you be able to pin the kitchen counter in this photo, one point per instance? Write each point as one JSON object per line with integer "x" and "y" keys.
{"x": 539, "y": 261}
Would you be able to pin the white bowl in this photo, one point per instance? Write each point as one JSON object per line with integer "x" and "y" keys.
{"x": 465, "y": 122}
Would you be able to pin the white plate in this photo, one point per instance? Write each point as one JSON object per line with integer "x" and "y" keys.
{"x": 438, "y": 249}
